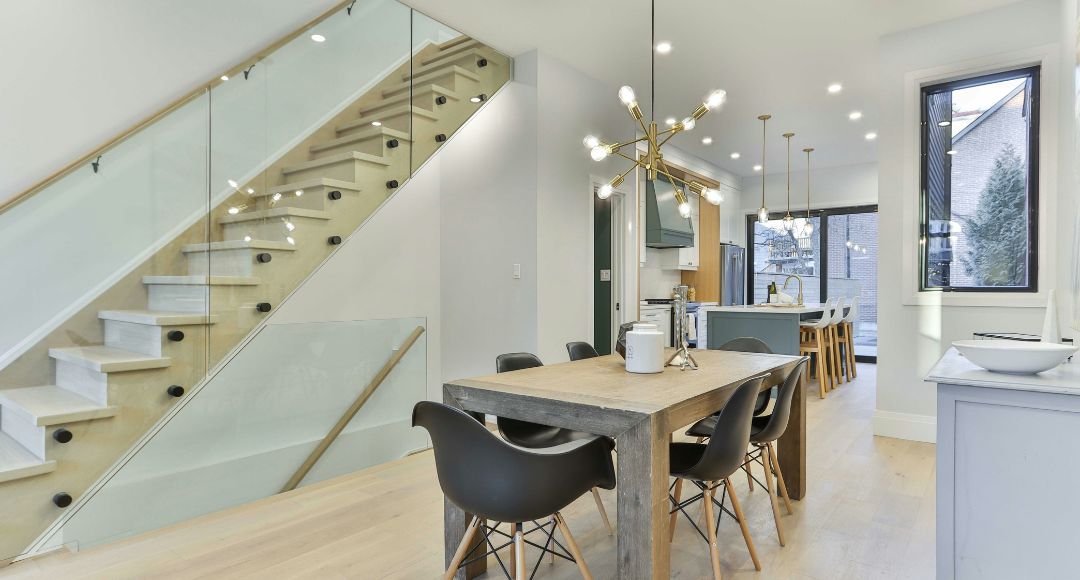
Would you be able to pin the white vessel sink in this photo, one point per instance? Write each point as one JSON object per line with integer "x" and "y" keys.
{"x": 1012, "y": 356}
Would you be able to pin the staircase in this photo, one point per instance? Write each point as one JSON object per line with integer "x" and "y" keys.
{"x": 160, "y": 330}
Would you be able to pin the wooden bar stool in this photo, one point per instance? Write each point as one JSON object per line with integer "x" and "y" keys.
{"x": 814, "y": 341}
{"x": 847, "y": 338}
{"x": 833, "y": 337}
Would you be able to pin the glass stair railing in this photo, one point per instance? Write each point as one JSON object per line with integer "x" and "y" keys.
{"x": 141, "y": 275}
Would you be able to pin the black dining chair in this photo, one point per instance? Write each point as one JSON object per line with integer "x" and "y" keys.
{"x": 709, "y": 467}
{"x": 534, "y": 435}
{"x": 764, "y": 431}
{"x": 580, "y": 350}
{"x": 494, "y": 480}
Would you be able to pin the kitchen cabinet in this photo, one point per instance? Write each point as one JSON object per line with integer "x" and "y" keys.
{"x": 660, "y": 315}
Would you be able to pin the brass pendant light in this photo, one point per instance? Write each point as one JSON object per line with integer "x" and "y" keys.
{"x": 789, "y": 222}
{"x": 808, "y": 229}
{"x": 763, "y": 212}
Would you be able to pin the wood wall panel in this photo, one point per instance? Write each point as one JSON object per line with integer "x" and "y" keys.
{"x": 707, "y": 277}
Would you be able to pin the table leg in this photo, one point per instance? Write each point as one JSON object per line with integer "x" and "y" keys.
{"x": 644, "y": 549}
{"x": 792, "y": 445}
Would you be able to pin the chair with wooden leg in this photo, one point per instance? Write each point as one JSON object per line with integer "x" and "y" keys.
{"x": 764, "y": 431}
{"x": 709, "y": 466}
{"x": 832, "y": 334}
{"x": 814, "y": 342}
{"x": 495, "y": 481}
{"x": 534, "y": 435}
{"x": 846, "y": 330}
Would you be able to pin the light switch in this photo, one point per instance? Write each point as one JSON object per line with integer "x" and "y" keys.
{"x": 605, "y": 275}
{"x": 517, "y": 271}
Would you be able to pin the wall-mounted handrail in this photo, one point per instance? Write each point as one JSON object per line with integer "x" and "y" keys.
{"x": 180, "y": 102}
{"x": 351, "y": 412}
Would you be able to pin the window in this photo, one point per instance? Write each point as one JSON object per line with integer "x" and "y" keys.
{"x": 979, "y": 187}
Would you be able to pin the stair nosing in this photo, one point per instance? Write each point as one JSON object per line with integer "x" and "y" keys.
{"x": 84, "y": 409}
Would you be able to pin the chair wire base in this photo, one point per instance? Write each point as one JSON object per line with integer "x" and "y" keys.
{"x": 550, "y": 546}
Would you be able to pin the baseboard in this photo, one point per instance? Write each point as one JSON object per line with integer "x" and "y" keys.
{"x": 905, "y": 426}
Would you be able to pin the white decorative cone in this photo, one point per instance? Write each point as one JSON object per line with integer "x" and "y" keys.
{"x": 1051, "y": 331}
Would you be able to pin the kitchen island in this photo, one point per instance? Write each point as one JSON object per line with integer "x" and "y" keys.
{"x": 1007, "y": 472}
{"x": 777, "y": 326}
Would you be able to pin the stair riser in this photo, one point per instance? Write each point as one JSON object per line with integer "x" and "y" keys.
{"x": 351, "y": 170}
{"x": 194, "y": 298}
{"x": 134, "y": 337}
{"x": 240, "y": 262}
{"x": 24, "y": 431}
{"x": 83, "y": 381}
{"x": 273, "y": 229}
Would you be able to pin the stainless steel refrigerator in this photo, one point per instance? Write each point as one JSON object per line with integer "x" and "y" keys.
{"x": 732, "y": 275}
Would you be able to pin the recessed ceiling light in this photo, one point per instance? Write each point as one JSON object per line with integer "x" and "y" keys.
{"x": 234, "y": 210}
{"x": 670, "y": 121}
{"x": 224, "y": 78}
{"x": 944, "y": 123}
{"x": 757, "y": 168}
{"x": 735, "y": 155}
{"x": 233, "y": 184}
{"x": 706, "y": 140}
{"x": 376, "y": 123}
{"x": 835, "y": 88}
{"x": 855, "y": 115}
{"x": 663, "y": 47}
{"x": 871, "y": 136}
{"x": 318, "y": 38}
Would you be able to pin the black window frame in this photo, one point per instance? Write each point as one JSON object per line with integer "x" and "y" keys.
{"x": 1034, "y": 102}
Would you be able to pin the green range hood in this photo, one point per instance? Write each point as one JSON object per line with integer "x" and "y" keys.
{"x": 664, "y": 227}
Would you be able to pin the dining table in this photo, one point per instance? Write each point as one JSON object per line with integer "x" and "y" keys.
{"x": 640, "y": 411}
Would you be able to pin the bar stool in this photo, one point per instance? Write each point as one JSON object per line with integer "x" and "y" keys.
{"x": 835, "y": 320}
{"x": 846, "y": 335}
{"x": 814, "y": 341}
{"x": 494, "y": 480}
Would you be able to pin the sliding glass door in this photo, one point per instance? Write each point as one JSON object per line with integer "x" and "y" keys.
{"x": 835, "y": 254}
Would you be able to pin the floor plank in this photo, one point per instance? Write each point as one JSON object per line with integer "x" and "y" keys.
{"x": 868, "y": 514}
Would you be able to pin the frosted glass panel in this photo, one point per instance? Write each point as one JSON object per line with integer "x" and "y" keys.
{"x": 244, "y": 434}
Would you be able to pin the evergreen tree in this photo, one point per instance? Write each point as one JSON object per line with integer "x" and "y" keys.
{"x": 997, "y": 233}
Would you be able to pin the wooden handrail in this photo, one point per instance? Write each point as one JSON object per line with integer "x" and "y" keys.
{"x": 180, "y": 102}
{"x": 338, "y": 427}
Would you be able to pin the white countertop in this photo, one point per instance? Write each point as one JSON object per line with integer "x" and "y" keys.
{"x": 804, "y": 309}
{"x": 954, "y": 369}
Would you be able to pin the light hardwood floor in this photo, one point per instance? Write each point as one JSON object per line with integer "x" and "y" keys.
{"x": 868, "y": 514}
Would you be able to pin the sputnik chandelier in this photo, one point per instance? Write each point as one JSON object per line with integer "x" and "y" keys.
{"x": 653, "y": 160}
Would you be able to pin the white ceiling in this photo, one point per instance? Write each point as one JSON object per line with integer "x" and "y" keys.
{"x": 771, "y": 56}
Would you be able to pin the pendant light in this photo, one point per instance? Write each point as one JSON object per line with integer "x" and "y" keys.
{"x": 763, "y": 213}
{"x": 809, "y": 229}
{"x": 789, "y": 222}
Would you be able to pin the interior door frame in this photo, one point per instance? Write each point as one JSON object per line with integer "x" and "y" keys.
{"x": 823, "y": 231}
{"x": 621, "y": 284}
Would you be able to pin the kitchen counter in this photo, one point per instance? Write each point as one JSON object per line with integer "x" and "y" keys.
{"x": 804, "y": 309}
{"x": 1006, "y": 471}
{"x": 777, "y": 327}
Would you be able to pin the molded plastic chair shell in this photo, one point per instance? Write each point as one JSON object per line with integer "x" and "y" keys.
{"x": 853, "y": 310}
{"x": 580, "y": 350}
{"x": 527, "y": 433}
{"x": 770, "y": 427}
{"x": 726, "y": 449}
{"x": 493, "y": 479}
{"x": 837, "y": 312}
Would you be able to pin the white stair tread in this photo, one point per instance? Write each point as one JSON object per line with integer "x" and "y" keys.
{"x": 428, "y": 75}
{"x": 398, "y": 111}
{"x": 380, "y": 106}
{"x": 311, "y": 183}
{"x": 237, "y": 245}
{"x": 16, "y": 462}
{"x": 363, "y": 135}
{"x": 157, "y": 317}
{"x": 332, "y": 159}
{"x": 202, "y": 280}
{"x": 277, "y": 212}
{"x": 106, "y": 359}
{"x": 52, "y": 405}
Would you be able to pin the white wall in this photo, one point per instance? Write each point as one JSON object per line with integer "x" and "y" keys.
{"x": 911, "y": 337}
{"x": 83, "y": 71}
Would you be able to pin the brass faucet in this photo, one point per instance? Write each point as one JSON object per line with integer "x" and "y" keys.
{"x": 797, "y": 278}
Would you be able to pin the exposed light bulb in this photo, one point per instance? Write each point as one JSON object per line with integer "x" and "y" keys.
{"x": 715, "y": 99}
{"x": 670, "y": 121}
{"x": 688, "y": 123}
{"x": 663, "y": 47}
{"x": 855, "y": 115}
{"x": 757, "y": 168}
{"x": 835, "y": 88}
{"x": 684, "y": 209}
{"x": 713, "y": 196}
{"x": 604, "y": 191}
{"x": 763, "y": 214}
{"x": 590, "y": 141}
{"x": 789, "y": 222}
{"x": 224, "y": 78}
{"x": 627, "y": 96}
{"x": 735, "y": 155}
{"x": 809, "y": 228}
{"x": 318, "y": 38}
{"x": 598, "y": 153}
{"x": 706, "y": 140}
{"x": 234, "y": 210}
